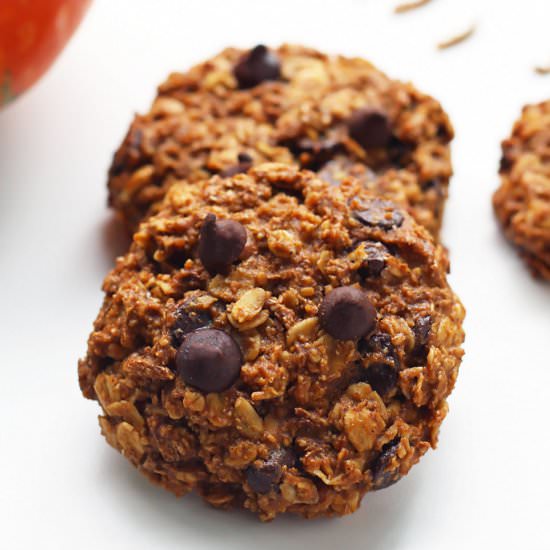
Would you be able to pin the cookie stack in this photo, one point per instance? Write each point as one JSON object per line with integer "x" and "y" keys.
{"x": 281, "y": 335}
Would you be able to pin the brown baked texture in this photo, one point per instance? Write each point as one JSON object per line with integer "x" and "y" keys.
{"x": 312, "y": 422}
{"x": 203, "y": 119}
{"x": 522, "y": 202}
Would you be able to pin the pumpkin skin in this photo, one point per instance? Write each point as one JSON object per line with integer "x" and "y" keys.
{"x": 32, "y": 34}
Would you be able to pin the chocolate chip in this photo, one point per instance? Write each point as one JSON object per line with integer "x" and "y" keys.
{"x": 379, "y": 344}
{"x": 433, "y": 183}
{"x": 421, "y": 331}
{"x": 375, "y": 261}
{"x": 220, "y": 243}
{"x": 347, "y": 313}
{"x": 130, "y": 155}
{"x": 444, "y": 132}
{"x": 381, "y": 377}
{"x": 505, "y": 164}
{"x": 265, "y": 476}
{"x": 256, "y": 66}
{"x": 209, "y": 360}
{"x": 244, "y": 163}
{"x": 370, "y": 128}
{"x": 380, "y": 214}
{"x": 187, "y": 320}
{"x": 381, "y": 477}
{"x": 400, "y": 152}
{"x": 284, "y": 456}
{"x": 244, "y": 158}
{"x": 313, "y": 154}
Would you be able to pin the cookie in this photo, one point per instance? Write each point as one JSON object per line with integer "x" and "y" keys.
{"x": 522, "y": 202}
{"x": 275, "y": 343}
{"x": 292, "y": 105}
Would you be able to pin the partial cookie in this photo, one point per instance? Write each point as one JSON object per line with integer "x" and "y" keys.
{"x": 291, "y": 105}
{"x": 522, "y": 202}
{"x": 276, "y": 344}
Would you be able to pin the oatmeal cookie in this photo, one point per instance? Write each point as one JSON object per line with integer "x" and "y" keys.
{"x": 291, "y": 105}
{"x": 275, "y": 343}
{"x": 522, "y": 202}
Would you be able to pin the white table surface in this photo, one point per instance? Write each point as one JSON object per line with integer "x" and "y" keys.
{"x": 487, "y": 485}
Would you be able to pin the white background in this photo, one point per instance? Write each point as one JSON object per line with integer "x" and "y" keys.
{"x": 488, "y": 484}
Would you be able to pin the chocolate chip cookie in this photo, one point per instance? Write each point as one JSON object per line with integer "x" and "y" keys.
{"x": 275, "y": 343}
{"x": 331, "y": 114}
{"x": 522, "y": 202}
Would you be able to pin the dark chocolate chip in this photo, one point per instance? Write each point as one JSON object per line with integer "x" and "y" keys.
{"x": 176, "y": 257}
{"x": 313, "y": 154}
{"x": 347, "y": 313}
{"x": 444, "y": 133}
{"x": 381, "y": 476}
{"x": 129, "y": 156}
{"x": 187, "y": 320}
{"x": 370, "y": 128}
{"x": 209, "y": 360}
{"x": 258, "y": 65}
{"x": 433, "y": 183}
{"x": 379, "y": 343}
{"x": 117, "y": 167}
{"x": 375, "y": 261}
{"x": 244, "y": 158}
{"x": 421, "y": 331}
{"x": 400, "y": 153}
{"x": 263, "y": 477}
{"x": 244, "y": 163}
{"x": 220, "y": 243}
{"x": 284, "y": 456}
{"x": 381, "y": 377}
{"x": 380, "y": 214}
{"x": 505, "y": 164}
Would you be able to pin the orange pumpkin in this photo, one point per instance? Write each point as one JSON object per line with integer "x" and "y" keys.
{"x": 32, "y": 33}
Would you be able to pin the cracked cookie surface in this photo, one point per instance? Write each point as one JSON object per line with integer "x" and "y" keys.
{"x": 522, "y": 202}
{"x": 331, "y": 114}
{"x": 307, "y": 365}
